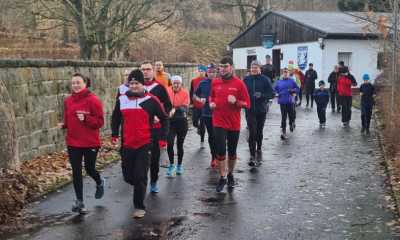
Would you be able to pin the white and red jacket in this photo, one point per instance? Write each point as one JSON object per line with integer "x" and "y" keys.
{"x": 137, "y": 119}
{"x": 116, "y": 114}
{"x": 86, "y": 133}
{"x": 227, "y": 115}
{"x": 158, "y": 90}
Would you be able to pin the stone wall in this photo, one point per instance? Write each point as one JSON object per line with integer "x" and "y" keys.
{"x": 38, "y": 89}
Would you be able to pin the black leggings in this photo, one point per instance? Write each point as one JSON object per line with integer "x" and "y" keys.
{"x": 321, "y": 111}
{"x": 256, "y": 126}
{"x": 210, "y": 131}
{"x": 310, "y": 94}
{"x": 287, "y": 110}
{"x": 366, "y": 114}
{"x": 198, "y": 123}
{"x": 346, "y": 102}
{"x": 155, "y": 155}
{"x": 226, "y": 139}
{"x": 89, "y": 155}
{"x": 178, "y": 128}
{"x": 135, "y": 165}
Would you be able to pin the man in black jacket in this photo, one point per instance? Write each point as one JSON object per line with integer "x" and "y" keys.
{"x": 260, "y": 91}
{"x": 268, "y": 69}
{"x": 310, "y": 77}
{"x": 334, "y": 96}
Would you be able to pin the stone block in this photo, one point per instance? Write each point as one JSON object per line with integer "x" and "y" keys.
{"x": 23, "y": 144}
{"x": 35, "y": 139}
{"x": 46, "y": 149}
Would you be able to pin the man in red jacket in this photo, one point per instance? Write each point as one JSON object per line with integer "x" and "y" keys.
{"x": 345, "y": 94}
{"x": 228, "y": 96}
{"x": 138, "y": 110}
{"x": 156, "y": 89}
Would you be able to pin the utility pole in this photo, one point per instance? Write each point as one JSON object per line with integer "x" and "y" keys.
{"x": 394, "y": 58}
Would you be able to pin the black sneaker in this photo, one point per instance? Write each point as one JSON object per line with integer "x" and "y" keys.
{"x": 231, "y": 180}
{"x": 252, "y": 162}
{"x": 221, "y": 184}
{"x": 284, "y": 136}
{"x": 292, "y": 127}
{"x": 79, "y": 207}
{"x": 100, "y": 189}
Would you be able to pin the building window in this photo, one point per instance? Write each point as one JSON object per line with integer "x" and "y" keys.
{"x": 345, "y": 57}
{"x": 382, "y": 61}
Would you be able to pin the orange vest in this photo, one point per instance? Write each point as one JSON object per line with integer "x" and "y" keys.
{"x": 179, "y": 99}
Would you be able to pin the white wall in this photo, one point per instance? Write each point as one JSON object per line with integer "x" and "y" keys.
{"x": 364, "y": 57}
{"x": 289, "y": 52}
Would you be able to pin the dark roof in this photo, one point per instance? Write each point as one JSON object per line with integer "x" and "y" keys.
{"x": 331, "y": 24}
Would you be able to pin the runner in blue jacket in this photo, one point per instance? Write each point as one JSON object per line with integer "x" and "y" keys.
{"x": 286, "y": 90}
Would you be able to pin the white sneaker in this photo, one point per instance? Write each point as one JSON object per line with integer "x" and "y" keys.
{"x": 139, "y": 213}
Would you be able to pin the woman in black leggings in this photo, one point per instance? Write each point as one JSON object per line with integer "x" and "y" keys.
{"x": 83, "y": 117}
{"x": 178, "y": 124}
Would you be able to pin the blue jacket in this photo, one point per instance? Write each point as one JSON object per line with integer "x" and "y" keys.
{"x": 203, "y": 91}
{"x": 285, "y": 89}
{"x": 321, "y": 98}
{"x": 260, "y": 92}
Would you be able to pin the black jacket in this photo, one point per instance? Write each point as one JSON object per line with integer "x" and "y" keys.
{"x": 332, "y": 80}
{"x": 260, "y": 91}
{"x": 309, "y": 78}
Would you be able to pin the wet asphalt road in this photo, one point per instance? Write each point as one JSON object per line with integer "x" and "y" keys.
{"x": 320, "y": 184}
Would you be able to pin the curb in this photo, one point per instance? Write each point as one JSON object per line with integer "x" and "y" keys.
{"x": 394, "y": 186}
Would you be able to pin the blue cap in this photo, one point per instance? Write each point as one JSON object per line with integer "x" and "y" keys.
{"x": 366, "y": 77}
{"x": 202, "y": 68}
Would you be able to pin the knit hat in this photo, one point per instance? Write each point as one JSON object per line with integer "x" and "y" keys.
{"x": 136, "y": 75}
{"x": 211, "y": 67}
{"x": 202, "y": 68}
{"x": 176, "y": 78}
{"x": 321, "y": 83}
{"x": 366, "y": 77}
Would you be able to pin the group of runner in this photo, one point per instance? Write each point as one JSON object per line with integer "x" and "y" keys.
{"x": 151, "y": 113}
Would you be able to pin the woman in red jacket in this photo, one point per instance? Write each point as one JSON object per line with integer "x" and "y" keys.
{"x": 344, "y": 84}
{"x": 83, "y": 117}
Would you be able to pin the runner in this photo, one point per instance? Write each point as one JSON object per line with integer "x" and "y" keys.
{"x": 300, "y": 76}
{"x": 161, "y": 76}
{"x": 260, "y": 91}
{"x": 310, "y": 77}
{"x": 268, "y": 69}
{"x": 202, "y": 95}
{"x": 156, "y": 89}
{"x": 344, "y": 89}
{"x": 228, "y": 96}
{"x": 367, "y": 92}
{"x": 138, "y": 110}
{"x": 197, "y": 106}
{"x": 83, "y": 117}
{"x": 334, "y": 96}
{"x": 321, "y": 97}
{"x": 286, "y": 89}
{"x": 178, "y": 124}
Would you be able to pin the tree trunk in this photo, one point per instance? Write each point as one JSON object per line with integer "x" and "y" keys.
{"x": 8, "y": 133}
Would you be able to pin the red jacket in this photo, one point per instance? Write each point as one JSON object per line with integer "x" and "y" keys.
{"x": 86, "y": 133}
{"x": 227, "y": 115}
{"x": 344, "y": 86}
{"x": 138, "y": 116}
{"x": 193, "y": 87}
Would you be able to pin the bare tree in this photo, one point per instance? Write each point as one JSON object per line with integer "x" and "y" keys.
{"x": 249, "y": 10}
{"x": 106, "y": 25}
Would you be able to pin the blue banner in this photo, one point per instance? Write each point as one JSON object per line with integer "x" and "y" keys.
{"x": 302, "y": 57}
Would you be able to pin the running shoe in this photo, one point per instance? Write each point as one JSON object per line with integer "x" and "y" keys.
{"x": 139, "y": 213}
{"x": 100, "y": 189}
{"x": 284, "y": 136}
{"x": 171, "y": 171}
{"x": 179, "y": 169}
{"x": 154, "y": 188}
{"x": 252, "y": 162}
{"x": 79, "y": 207}
{"x": 231, "y": 180}
{"x": 221, "y": 184}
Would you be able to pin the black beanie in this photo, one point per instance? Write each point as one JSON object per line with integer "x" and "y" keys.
{"x": 136, "y": 75}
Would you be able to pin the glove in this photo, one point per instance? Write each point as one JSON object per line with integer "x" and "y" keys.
{"x": 114, "y": 140}
{"x": 162, "y": 144}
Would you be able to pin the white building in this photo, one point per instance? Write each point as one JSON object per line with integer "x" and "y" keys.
{"x": 321, "y": 38}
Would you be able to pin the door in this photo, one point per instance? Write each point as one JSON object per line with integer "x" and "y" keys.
{"x": 276, "y": 61}
{"x": 250, "y": 59}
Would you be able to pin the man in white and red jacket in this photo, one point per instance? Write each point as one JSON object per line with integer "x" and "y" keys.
{"x": 138, "y": 110}
{"x": 228, "y": 96}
